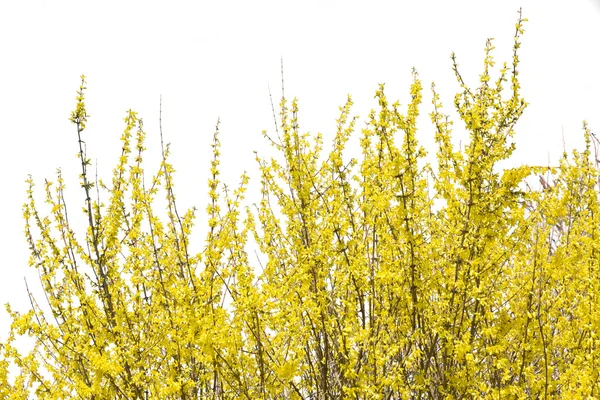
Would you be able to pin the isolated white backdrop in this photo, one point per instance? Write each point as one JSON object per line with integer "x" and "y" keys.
{"x": 217, "y": 59}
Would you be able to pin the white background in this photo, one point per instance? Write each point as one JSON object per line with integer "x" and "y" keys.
{"x": 218, "y": 59}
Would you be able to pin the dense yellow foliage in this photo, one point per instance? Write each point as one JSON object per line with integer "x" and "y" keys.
{"x": 385, "y": 277}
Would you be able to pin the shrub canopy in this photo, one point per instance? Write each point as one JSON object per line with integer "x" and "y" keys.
{"x": 384, "y": 277}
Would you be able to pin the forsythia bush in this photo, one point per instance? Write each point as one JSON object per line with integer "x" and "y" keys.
{"x": 385, "y": 277}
